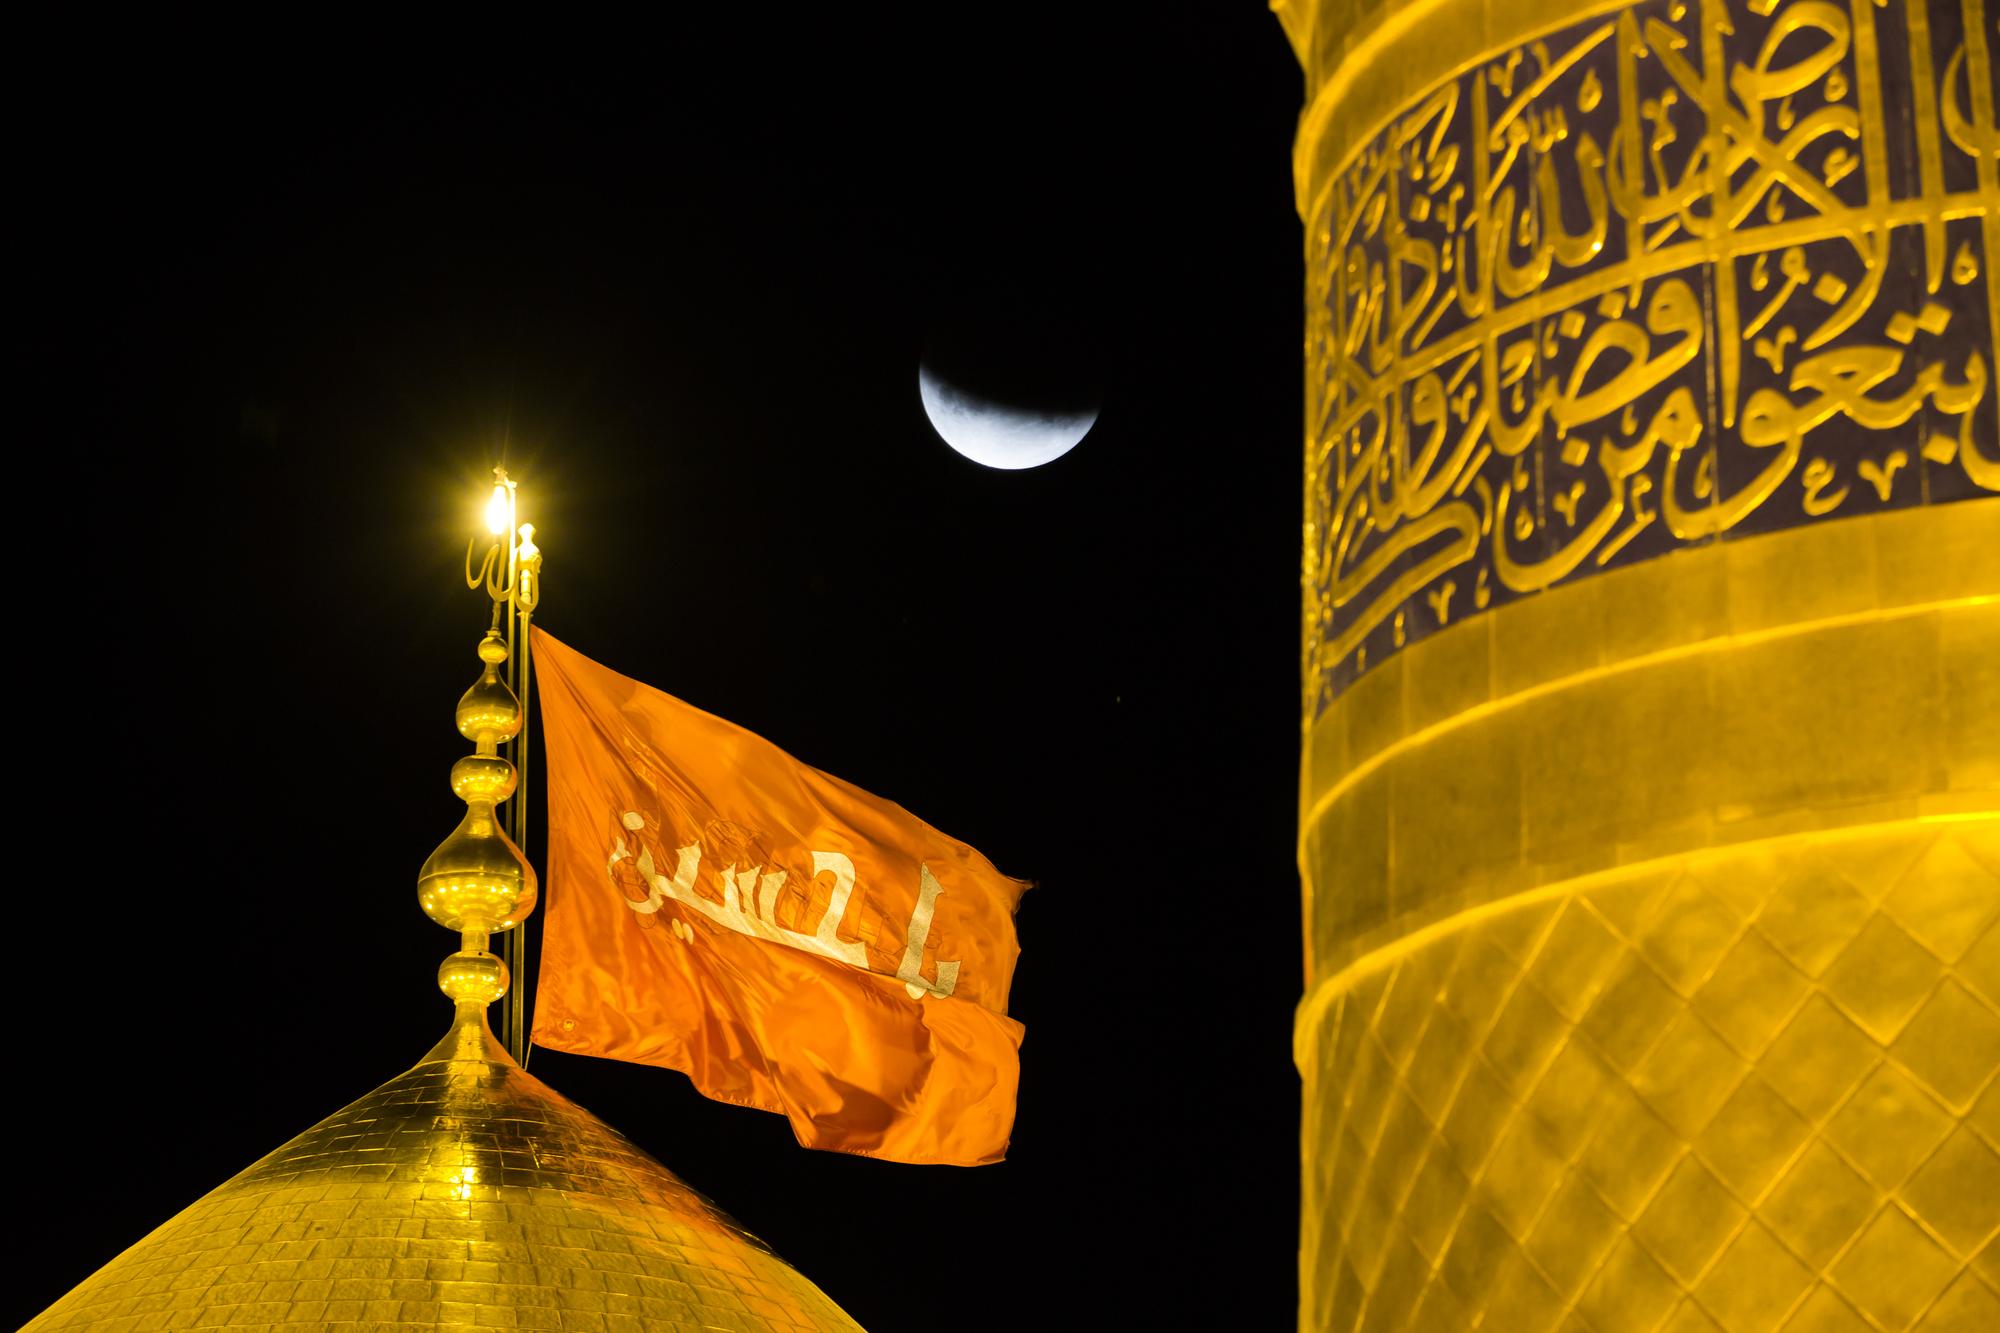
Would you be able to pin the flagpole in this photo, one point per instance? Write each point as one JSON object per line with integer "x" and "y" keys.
{"x": 525, "y": 594}
{"x": 512, "y": 578}
{"x": 511, "y": 1015}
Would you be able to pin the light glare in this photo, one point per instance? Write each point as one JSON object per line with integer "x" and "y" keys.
{"x": 496, "y": 512}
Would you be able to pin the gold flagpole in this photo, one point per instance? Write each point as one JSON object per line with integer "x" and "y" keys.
{"x": 510, "y": 1014}
{"x": 527, "y": 591}
{"x": 511, "y": 576}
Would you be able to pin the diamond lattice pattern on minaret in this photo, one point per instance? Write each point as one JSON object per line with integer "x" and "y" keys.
{"x": 1728, "y": 1091}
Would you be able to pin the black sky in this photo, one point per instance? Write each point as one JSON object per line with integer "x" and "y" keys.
{"x": 291, "y": 294}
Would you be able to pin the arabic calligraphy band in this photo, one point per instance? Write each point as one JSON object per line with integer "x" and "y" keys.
{"x": 1650, "y": 810}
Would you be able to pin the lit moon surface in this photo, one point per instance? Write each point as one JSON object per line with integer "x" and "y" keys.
{"x": 996, "y": 435}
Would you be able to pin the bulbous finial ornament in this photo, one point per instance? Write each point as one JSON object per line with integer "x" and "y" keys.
{"x": 473, "y": 976}
{"x": 477, "y": 878}
{"x": 528, "y": 571}
{"x": 489, "y": 715}
{"x": 482, "y": 777}
{"x": 477, "y": 882}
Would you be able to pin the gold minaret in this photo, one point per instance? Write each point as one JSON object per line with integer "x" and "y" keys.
{"x": 464, "y": 1193}
{"x": 1650, "y": 787}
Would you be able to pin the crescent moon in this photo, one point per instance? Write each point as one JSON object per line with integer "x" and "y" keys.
{"x": 997, "y": 436}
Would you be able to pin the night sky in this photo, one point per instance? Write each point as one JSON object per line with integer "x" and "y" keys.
{"x": 292, "y": 295}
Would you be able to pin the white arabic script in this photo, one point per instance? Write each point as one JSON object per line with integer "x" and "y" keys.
{"x": 750, "y": 899}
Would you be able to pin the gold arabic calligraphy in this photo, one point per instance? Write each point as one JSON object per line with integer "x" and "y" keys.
{"x": 1533, "y": 293}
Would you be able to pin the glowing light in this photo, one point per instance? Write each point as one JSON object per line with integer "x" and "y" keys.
{"x": 498, "y": 515}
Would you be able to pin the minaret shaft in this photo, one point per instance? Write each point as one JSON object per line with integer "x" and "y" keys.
{"x": 1650, "y": 799}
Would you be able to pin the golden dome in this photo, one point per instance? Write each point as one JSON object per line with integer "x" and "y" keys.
{"x": 464, "y": 1193}
{"x": 460, "y": 1194}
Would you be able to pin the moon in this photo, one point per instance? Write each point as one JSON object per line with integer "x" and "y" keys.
{"x": 994, "y": 434}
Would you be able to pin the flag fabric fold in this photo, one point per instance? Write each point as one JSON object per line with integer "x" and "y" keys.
{"x": 785, "y": 939}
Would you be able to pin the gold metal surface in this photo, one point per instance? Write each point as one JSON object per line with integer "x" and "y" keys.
{"x": 477, "y": 879}
{"x": 1590, "y": 283}
{"x": 1653, "y": 933}
{"x": 463, "y": 1194}
{"x": 511, "y": 575}
{"x": 527, "y": 596}
{"x": 1819, "y": 678}
{"x": 1650, "y": 796}
{"x": 1750, "y": 1088}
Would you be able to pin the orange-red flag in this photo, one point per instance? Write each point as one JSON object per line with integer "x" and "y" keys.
{"x": 783, "y": 938}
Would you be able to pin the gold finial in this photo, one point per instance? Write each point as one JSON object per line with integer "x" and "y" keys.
{"x": 529, "y": 573}
{"x": 493, "y": 714}
{"x": 477, "y": 882}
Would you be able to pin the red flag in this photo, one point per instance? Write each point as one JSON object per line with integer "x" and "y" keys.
{"x": 782, "y": 937}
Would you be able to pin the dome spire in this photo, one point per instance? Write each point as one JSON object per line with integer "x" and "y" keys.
{"x": 464, "y": 1192}
{"x": 477, "y": 882}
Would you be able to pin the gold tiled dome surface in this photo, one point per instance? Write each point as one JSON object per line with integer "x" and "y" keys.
{"x": 462, "y": 1194}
